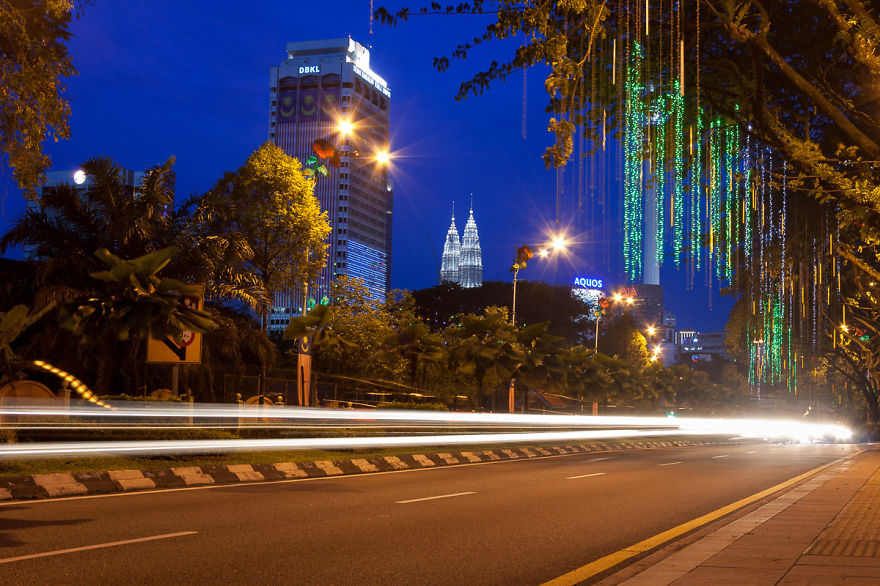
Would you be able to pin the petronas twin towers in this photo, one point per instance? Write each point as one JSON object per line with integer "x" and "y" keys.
{"x": 463, "y": 260}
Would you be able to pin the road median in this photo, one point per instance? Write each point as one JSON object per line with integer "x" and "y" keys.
{"x": 62, "y": 484}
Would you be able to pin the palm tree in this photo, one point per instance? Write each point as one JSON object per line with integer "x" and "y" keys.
{"x": 486, "y": 348}
{"x": 68, "y": 225}
{"x": 417, "y": 346}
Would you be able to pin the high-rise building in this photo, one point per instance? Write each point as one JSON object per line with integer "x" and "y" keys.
{"x": 470, "y": 268}
{"x": 319, "y": 84}
{"x": 462, "y": 259}
{"x": 451, "y": 253}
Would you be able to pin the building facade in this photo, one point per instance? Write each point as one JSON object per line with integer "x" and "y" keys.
{"x": 320, "y": 84}
{"x": 470, "y": 269}
{"x": 462, "y": 260}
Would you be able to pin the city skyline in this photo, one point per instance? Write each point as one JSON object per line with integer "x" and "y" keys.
{"x": 209, "y": 108}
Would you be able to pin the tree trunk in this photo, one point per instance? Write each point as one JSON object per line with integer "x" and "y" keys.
{"x": 872, "y": 412}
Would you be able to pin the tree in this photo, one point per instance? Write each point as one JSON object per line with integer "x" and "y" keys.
{"x": 269, "y": 203}
{"x": 535, "y": 303}
{"x": 484, "y": 346}
{"x": 796, "y": 76}
{"x": 622, "y": 338}
{"x": 33, "y": 63}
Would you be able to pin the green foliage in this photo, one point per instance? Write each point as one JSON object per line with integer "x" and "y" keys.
{"x": 12, "y": 324}
{"x": 269, "y": 204}
{"x": 135, "y": 301}
{"x": 442, "y": 305}
{"x": 33, "y": 63}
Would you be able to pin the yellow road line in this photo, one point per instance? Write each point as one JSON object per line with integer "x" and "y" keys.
{"x": 611, "y": 560}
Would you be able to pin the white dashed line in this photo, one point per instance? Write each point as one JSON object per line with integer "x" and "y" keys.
{"x": 586, "y": 475}
{"x": 721, "y": 456}
{"x": 599, "y": 459}
{"x": 98, "y": 546}
{"x": 752, "y": 452}
{"x": 432, "y": 498}
{"x": 669, "y": 464}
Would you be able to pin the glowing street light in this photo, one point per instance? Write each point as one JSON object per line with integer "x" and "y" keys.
{"x": 345, "y": 127}
{"x": 383, "y": 157}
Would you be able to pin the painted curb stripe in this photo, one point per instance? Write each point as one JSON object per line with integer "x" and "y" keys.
{"x": 107, "y": 482}
{"x": 611, "y": 560}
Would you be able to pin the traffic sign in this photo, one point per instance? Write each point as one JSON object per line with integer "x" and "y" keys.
{"x": 189, "y": 350}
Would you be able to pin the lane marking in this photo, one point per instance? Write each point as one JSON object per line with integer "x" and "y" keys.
{"x": 599, "y": 459}
{"x": 752, "y": 452}
{"x": 97, "y": 546}
{"x": 586, "y": 475}
{"x": 609, "y": 561}
{"x": 721, "y": 456}
{"x": 669, "y": 464}
{"x": 8, "y": 503}
{"x": 433, "y": 498}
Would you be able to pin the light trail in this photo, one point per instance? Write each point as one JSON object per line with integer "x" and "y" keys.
{"x": 148, "y": 447}
{"x": 389, "y": 428}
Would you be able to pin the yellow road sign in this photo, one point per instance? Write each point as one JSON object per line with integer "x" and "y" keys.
{"x": 189, "y": 351}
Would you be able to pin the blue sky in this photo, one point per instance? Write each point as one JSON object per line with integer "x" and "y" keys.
{"x": 165, "y": 78}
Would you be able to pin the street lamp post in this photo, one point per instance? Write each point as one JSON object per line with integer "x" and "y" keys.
{"x": 603, "y": 304}
{"x": 524, "y": 254}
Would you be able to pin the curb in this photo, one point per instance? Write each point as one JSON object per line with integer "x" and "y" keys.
{"x": 39, "y": 486}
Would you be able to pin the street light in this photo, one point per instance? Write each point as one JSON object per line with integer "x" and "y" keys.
{"x": 383, "y": 157}
{"x": 616, "y": 298}
{"x": 525, "y": 253}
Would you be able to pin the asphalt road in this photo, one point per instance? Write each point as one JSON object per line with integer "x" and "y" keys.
{"x": 518, "y": 522}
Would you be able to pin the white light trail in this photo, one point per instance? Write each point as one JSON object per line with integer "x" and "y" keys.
{"x": 570, "y": 428}
{"x": 145, "y": 447}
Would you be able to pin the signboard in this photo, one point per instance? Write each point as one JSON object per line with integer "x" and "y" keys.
{"x": 304, "y": 370}
{"x": 589, "y": 282}
{"x": 189, "y": 351}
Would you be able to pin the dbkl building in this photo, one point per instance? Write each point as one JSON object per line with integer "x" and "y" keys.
{"x": 320, "y": 84}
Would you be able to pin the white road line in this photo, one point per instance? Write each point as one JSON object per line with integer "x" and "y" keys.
{"x": 97, "y": 546}
{"x": 586, "y": 475}
{"x": 752, "y": 452}
{"x": 669, "y": 464}
{"x": 721, "y": 456}
{"x": 345, "y": 477}
{"x": 431, "y": 498}
{"x": 599, "y": 459}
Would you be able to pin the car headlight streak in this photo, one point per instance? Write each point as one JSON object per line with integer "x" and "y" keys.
{"x": 538, "y": 428}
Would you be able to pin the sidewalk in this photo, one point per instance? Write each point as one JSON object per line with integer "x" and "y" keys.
{"x": 824, "y": 531}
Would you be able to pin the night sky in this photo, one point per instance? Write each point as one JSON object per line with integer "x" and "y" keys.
{"x": 166, "y": 78}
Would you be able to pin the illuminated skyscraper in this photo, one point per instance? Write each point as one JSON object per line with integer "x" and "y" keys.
{"x": 470, "y": 268}
{"x": 463, "y": 260}
{"x": 451, "y": 253}
{"x": 319, "y": 84}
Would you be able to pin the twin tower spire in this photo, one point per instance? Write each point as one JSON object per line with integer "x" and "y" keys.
{"x": 463, "y": 260}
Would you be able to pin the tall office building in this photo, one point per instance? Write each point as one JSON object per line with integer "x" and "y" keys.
{"x": 319, "y": 84}
{"x": 451, "y": 253}
{"x": 463, "y": 259}
{"x": 470, "y": 268}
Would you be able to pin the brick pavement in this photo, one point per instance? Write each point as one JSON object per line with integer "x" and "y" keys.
{"x": 825, "y": 530}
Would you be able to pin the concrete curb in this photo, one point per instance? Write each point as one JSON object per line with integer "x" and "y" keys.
{"x": 39, "y": 486}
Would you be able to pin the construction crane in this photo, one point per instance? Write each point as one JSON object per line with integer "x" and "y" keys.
{"x": 434, "y": 254}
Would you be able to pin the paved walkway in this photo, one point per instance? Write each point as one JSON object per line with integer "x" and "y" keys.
{"x": 824, "y": 531}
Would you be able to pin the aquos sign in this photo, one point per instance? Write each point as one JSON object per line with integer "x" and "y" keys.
{"x": 589, "y": 282}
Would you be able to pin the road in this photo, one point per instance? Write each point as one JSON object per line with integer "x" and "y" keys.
{"x": 517, "y": 522}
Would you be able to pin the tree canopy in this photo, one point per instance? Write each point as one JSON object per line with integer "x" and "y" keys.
{"x": 270, "y": 205}
{"x": 33, "y": 64}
